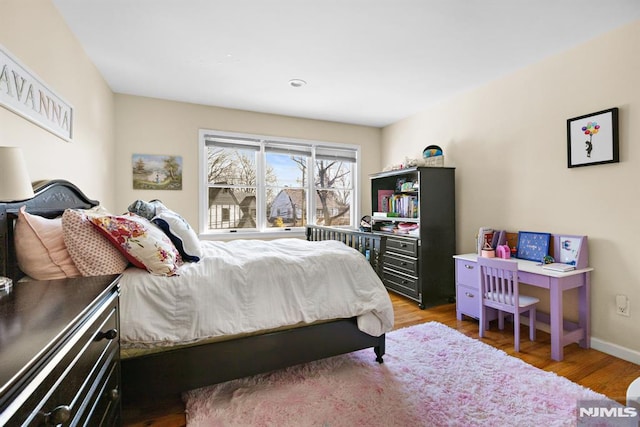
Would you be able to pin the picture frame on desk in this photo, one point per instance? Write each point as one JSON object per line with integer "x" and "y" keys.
{"x": 569, "y": 249}
{"x": 533, "y": 246}
{"x": 592, "y": 139}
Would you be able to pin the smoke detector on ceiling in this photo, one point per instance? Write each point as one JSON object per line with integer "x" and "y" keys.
{"x": 297, "y": 83}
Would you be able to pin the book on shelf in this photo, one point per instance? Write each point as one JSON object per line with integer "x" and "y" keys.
{"x": 386, "y": 214}
{"x": 559, "y": 266}
{"x": 404, "y": 205}
{"x": 399, "y": 205}
{"x": 383, "y": 200}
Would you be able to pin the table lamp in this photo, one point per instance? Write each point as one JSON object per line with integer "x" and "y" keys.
{"x": 15, "y": 184}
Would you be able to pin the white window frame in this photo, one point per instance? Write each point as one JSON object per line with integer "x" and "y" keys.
{"x": 262, "y": 231}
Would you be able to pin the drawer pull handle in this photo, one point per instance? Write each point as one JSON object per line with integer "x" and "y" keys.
{"x": 113, "y": 394}
{"x": 469, "y": 294}
{"x": 403, "y": 263}
{"x": 109, "y": 335}
{"x": 468, "y": 267}
{"x": 59, "y": 415}
{"x": 403, "y": 245}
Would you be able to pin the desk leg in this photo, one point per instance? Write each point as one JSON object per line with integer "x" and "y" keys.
{"x": 556, "y": 321}
{"x": 584, "y": 317}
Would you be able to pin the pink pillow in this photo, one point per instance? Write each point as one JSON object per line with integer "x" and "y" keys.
{"x": 144, "y": 244}
{"x": 40, "y": 248}
{"x": 92, "y": 252}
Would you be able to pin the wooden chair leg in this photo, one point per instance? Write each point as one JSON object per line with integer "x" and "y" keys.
{"x": 481, "y": 324}
{"x": 501, "y": 320}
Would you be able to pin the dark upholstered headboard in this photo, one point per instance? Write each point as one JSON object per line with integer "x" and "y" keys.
{"x": 51, "y": 199}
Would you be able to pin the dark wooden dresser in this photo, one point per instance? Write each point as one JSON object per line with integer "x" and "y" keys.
{"x": 60, "y": 353}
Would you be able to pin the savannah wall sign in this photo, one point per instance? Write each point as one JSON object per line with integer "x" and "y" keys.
{"x": 22, "y": 92}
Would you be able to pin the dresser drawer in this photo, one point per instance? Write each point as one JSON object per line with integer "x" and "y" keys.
{"x": 405, "y": 246}
{"x": 402, "y": 263}
{"x": 467, "y": 273}
{"x": 105, "y": 411}
{"x": 467, "y": 301}
{"x": 68, "y": 381}
{"x": 407, "y": 285}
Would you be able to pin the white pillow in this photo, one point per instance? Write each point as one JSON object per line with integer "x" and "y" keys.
{"x": 180, "y": 232}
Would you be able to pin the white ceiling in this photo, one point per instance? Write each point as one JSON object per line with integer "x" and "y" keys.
{"x": 369, "y": 62}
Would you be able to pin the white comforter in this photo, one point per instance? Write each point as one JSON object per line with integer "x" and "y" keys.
{"x": 245, "y": 286}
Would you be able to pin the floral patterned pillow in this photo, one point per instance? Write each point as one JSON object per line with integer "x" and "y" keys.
{"x": 144, "y": 244}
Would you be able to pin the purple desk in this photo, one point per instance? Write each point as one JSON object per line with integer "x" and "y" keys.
{"x": 563, "y": 332}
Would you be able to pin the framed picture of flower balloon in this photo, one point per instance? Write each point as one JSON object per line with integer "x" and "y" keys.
{"x": 592, "y": 139}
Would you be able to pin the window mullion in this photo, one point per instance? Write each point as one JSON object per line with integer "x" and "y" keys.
{"x": 311, "y": 193}
{"x": 355, "y": 194}
{"x": 261, "y": 191}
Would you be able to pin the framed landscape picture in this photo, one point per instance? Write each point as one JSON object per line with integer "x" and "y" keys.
{"x": 156, "y": 172}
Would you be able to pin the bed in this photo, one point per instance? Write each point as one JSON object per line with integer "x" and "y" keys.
{"x": 164, "y": 370}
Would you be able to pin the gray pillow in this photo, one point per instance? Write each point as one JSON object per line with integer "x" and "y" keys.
{"x": 145, "y": 209}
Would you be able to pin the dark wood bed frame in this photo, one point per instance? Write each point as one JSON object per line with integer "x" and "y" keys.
{"x": 171, "y": 372}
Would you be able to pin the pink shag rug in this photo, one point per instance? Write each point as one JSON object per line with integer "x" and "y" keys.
{"x": 432, "y": 375}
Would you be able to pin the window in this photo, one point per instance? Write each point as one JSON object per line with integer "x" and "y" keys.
{"x": 254, "y": 184}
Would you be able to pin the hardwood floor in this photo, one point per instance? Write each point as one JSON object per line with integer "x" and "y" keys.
{"x": 591, "y": 368}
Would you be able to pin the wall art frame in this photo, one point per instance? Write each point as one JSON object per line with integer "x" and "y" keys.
{"x": 156, "y": 172}
{"x": 592, "y": 139}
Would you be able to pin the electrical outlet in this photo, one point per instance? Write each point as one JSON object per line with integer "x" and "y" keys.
{"x": 622, "y": 305}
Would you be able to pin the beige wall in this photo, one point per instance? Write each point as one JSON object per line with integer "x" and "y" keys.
{"x": 508, "y": 143}
{"x": 153, "y": 126}
{"x": 33, "y": 32}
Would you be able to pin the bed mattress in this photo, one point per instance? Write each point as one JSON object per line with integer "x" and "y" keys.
{"x": 246, "y": 286}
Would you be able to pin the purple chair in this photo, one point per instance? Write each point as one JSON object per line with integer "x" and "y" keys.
{"x": 499, "y": 290}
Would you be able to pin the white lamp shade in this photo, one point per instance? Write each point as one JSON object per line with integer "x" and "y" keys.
{"x": 15, "y": 184}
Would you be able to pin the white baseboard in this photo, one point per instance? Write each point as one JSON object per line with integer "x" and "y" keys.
{"x": 616, "y": 350}
{"x": 598, "y": 344}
